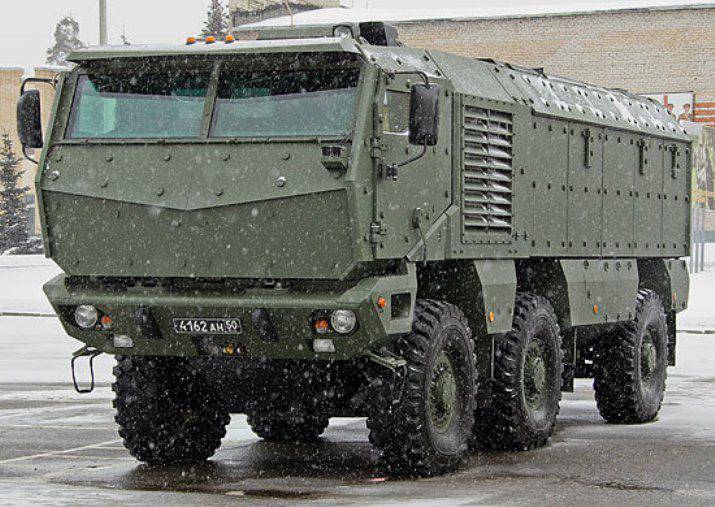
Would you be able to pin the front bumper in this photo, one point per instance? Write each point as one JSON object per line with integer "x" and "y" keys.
{"x": 289, "y": 311}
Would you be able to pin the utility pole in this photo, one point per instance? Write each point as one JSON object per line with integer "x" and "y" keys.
{"x": 102, "y": 22}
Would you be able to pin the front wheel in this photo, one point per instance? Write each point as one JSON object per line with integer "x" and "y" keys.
{"x": 422, "y": 425}
{"x": 166, "y": 413}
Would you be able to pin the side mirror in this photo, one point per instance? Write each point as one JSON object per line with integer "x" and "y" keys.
{"x": 29, "y": 119}
{"x": 424, "y": 114}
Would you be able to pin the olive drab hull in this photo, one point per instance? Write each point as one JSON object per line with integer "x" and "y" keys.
{"x": 258, "y": 217}
{"x": 534, "y": 182}
{"x": 185, "y": 211}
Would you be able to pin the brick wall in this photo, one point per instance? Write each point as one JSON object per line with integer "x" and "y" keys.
{"x": 641, "y": 51}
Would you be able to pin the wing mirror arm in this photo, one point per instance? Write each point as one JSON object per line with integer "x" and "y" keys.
{"x": 52, "y": 82}
{"x": 424, "y": 120}
{"x": 393, "y": 169}
{"x": 423, "y": 75}
{"x": 29, "y": 120}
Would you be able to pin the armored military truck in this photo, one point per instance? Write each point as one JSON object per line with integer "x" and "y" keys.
{"x": 305, "y": 223}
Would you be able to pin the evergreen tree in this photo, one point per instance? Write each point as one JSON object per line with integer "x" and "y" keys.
{"x": 13, "y": 210}
{"x": 217, "y": 22}
{"x": 66, "y": 41}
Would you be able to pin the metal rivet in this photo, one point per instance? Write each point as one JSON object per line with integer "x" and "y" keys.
{"x": 54, "y": 175}
{"x": 286, "y": 156}
{"x": 167, "y": 158}
{"x": 226, "y": 157}
{"x": 160, "y": 191}
{"x": 109, "y": 158}
{"x": 104, "y": 183}
{"x": 218, "y": 192}
{"x": 281, "y": 181}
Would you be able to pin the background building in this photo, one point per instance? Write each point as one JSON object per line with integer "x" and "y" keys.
{"x": 664, "y": 48}
{"x": 252, "y": 11}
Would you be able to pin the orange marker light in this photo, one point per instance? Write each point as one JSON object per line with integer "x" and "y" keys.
{"x": 190, "y": 41}
{"x": 106, "y": 321}
{"x": 595, "y": 308}
{"x": 322, "y": 326}
{"x": 381, "y": 303}
{"x": 491, "y": 317}
{"x": 229, "y": 349}
{"x": 210, "y": 39}
{"x": 229, "y": 39}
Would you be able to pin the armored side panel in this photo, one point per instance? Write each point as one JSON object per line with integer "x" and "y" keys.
{"x": 562, "y": 168}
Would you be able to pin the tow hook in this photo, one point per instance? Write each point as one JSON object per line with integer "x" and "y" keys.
{"x": 85, "y": 351}
{"x": 398, "y": 368}
{"x": 388, "y": 360}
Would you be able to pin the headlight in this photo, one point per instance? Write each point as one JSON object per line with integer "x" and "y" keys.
{"x": 343, "y": 31}
{"x": 343, "y": 321}
{"x": 86, "y": 316}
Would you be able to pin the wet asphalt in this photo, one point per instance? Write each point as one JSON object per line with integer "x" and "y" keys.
{"x": 59, "y": 448}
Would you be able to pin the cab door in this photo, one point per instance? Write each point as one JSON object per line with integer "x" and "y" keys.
{"x": 409, "y": 199}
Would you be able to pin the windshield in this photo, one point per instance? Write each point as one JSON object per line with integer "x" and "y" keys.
{"x": 285, "y": 103}
{"x": 152, "y": 105}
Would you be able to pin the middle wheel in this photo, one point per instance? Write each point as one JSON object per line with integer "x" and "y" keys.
{"x": 526, "y": 388}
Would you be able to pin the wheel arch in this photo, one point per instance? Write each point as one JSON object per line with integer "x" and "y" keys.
{"x": 669, "y": 279}
{"x": 484, "y": 290}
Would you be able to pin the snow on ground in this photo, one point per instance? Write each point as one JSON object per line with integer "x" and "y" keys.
{"x": 21, "y": 280}
{"x": 58, "y": 447}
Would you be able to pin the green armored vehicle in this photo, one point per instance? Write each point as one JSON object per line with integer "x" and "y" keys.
{"x": 309, "y": 223}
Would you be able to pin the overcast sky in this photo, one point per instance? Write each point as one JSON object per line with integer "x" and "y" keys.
{"x": 26, "y": 26}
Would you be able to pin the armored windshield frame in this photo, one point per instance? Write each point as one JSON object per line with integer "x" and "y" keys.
{"x": 289, "y": 61}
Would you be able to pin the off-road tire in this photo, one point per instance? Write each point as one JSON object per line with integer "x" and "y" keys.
{"x": 166, "y": 413}
{"x": 421, "y": 421}
{"x": 288, "y": 427}
{"x": 509, "y": 421}
{"x": 627, "y": 389}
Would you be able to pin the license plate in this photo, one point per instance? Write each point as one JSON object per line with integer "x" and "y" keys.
{"x": 208, "y": 326}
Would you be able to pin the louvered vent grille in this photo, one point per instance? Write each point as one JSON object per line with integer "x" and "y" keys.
{"x": 487, "y": 171}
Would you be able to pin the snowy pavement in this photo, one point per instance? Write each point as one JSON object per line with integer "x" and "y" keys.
{"x": 58, "y": 447}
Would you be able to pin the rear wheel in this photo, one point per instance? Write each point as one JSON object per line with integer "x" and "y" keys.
{"x": 422, "y": 424}
{"x": 630, "y": 365}
{"x": 288, "y": 427}
{"x": 527, "y": 380}
{"x": 165, "y": 411}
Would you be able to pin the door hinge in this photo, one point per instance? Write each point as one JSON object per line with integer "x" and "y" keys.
{"x": 377, "y": 149}
{"x": 588, "y": 149}
{"x": 377, "y": 229}
{"x": 642, "y": 155}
